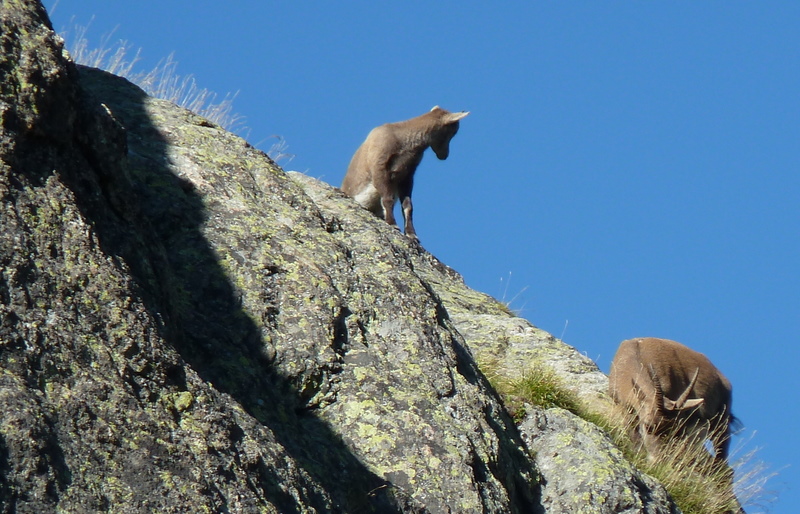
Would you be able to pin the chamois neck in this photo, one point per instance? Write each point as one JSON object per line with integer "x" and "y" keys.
{"x": 415, "y": 132}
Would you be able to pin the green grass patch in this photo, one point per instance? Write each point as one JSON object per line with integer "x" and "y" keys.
{"x": 538, "y": 385}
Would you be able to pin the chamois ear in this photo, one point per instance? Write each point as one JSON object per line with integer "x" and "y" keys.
{"x": 455, "y": 116}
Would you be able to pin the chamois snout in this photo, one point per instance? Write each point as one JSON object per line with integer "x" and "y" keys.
{"x": 442, "y": 153}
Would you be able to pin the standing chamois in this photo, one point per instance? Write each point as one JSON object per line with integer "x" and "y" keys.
{"x": 382, "y": 169}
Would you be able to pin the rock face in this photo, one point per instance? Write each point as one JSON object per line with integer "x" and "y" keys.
{"x": 184, "y": 327}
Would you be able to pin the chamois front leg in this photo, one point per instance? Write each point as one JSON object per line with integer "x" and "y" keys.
{"x": 408, "y": 211}
{"x": 404, "y": 193}
{"x": 387, "y": 203}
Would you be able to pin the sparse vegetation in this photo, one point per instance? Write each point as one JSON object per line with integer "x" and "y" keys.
{"x": 506, "y": 301}
{"x": 695, "y": 481}
{"x": 163, "y": 81}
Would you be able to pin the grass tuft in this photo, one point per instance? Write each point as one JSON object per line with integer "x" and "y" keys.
{"x": 538, "y": 385}
{"x": 507, "y": 302}
{"x": 163, "y": 81}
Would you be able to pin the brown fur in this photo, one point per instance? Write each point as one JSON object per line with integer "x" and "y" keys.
{"x": 671, "y": 388}
{"x": 382, "y": 169}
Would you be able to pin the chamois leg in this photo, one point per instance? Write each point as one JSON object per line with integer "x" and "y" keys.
{"x": 408, "y": 211}
{"x": 387, "y": 202}
{"x": 721, "y": 437}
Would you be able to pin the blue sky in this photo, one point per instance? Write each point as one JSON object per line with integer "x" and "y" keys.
{"x": 628, "y": 168}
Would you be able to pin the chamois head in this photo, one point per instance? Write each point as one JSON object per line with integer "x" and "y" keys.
{"x": 440, "y": 140}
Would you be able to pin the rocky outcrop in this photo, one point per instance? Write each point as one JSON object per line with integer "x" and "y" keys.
{"x": 184, "y": 327}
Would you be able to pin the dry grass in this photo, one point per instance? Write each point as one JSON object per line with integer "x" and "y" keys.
{"x": 163, "y": 81}
{"x": 696, "y": 481}
{"x": 506, "y": 283}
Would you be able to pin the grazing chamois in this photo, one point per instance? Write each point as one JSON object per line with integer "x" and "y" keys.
{"x": 672, "y": 389}
{"x": 382, "y": 169}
